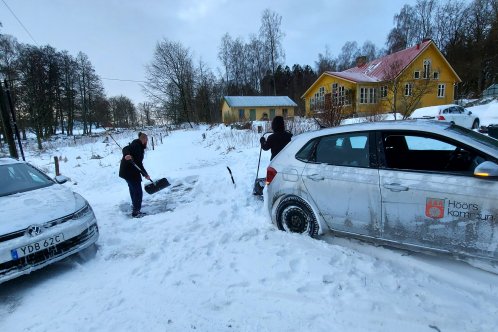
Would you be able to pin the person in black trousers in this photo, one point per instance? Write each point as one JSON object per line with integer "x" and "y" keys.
{"x": 278, "y": 140}
{"x": 134, "y": 152}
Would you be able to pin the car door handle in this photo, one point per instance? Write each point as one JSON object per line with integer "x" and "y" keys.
{"x": 315, "y": 177}
{"x": 395, "y": 187}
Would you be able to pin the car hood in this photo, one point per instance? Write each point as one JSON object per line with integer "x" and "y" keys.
{"x": 18, "y": 211}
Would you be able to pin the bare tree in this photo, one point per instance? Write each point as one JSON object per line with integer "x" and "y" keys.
{"x": 171, "y": 77}
{"x": 272, "y": 35}
{"x": 325, "y": 62}
{"x": 404, "y": 32}
{"x": 347, "y": 58}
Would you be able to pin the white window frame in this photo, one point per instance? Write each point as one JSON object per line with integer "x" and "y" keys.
{"x": 427, "y": 69}
{"x": 416, "y": 74}
{"x": 441, "y": 90}
{"x": 368, "y": 95}
{"x": 435, "y": 75}
{"x": 408, "y": 89}
{"x": 383, "y": 91}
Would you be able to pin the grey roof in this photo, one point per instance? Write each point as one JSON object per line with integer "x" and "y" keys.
{"x": 259, "y": 101}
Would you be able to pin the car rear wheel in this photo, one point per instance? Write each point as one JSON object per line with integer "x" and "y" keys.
{"x": 296, "y": 216}
{"x": 475, "y": 125}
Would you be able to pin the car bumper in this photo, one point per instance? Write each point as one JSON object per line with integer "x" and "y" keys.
{"x": 79, "y": 234}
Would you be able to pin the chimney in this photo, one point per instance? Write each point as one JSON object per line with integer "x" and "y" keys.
{"x": 361, "y": 60}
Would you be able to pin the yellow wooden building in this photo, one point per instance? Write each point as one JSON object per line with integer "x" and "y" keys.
{"x": 418, "y": 76}
{"x": 251, "y": 108}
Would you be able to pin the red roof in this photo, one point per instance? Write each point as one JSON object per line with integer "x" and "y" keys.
{"x": 382, "y": 69}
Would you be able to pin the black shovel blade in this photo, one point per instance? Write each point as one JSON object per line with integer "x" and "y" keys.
{"x": 259, "y": 185}
{"x": 156, "y": 186}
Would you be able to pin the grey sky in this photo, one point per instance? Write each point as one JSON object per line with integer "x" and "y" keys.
{"x": 119, "y": 36}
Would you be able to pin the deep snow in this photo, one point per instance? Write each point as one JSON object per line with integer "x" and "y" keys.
{"x": 207, "y": 258}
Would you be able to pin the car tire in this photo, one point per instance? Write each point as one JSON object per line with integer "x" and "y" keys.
{"x": 475, "y": 125}
{"x": 295, "y": 215}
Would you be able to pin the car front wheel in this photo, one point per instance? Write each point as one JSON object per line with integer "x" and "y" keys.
{"x": 296, "y": 216}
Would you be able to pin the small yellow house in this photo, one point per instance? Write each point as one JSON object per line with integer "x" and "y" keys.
{"x": 242, "y": 108}
{"x": 416, "y": 77}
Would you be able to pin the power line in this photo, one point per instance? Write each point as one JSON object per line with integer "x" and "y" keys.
{"x": 119, "y": 79}
{"x": 18, "y": 20}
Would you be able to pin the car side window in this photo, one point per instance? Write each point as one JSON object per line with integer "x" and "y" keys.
{"x": 343, "y": 150}
{"x": 423, "y": 153}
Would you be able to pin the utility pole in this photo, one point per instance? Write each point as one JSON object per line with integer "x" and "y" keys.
{"x": 6, "y": 124}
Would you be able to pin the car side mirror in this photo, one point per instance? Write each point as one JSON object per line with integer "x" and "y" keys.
{"x": 487, "y": 169}
{"x": 470, "y": 112}
{"x": 60, "y": 179}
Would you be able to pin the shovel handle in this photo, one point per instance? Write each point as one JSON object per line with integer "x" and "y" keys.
{"x": 140, "y": 170}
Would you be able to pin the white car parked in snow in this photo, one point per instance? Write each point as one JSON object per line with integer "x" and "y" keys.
{"x": 420, "y": 185}
{"x": 448, "y": 113}
{"x": 41, "y": 221}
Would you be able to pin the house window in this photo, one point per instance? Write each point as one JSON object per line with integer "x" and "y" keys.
{"x": 342, "y": 95}
{"x": 367, "y": 96}
{"x": 321, "y": 94}
{"x": 285, "y": 112}
{"x": 408, "y": 89}
{"x": 334, "y": 93}
{"x": 440, "y": 90}
{"x": 436, "y": 75}
{"x": 416, "y": 75}
{"x": 242, "y": 114}
{"x": 383, "y": 91}
{"x": 427, "y": 68}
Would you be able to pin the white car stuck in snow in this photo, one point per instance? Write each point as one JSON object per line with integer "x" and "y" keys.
{"x": 420, "y": 185}
{"x": 41, "y": 221}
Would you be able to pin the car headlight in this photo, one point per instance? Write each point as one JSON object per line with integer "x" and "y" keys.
{"x": 83, "y": 212}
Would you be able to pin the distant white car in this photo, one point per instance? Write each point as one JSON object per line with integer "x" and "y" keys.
{"x": 41, "y": 221}
{"x": 448, "y": 113}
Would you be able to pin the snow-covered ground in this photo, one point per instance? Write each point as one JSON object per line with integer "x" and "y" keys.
{"x": 207, "y": 258}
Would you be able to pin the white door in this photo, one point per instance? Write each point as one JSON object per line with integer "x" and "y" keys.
{"x": 431, "y": 198}
{"x": 343, "y": 185}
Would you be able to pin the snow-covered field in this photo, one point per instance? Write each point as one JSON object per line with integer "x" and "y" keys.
{"x": 207, "y": 258}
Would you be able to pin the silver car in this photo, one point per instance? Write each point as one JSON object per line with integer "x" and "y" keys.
{"x": 41, "y": 221}
{"x": 421, "y": 185}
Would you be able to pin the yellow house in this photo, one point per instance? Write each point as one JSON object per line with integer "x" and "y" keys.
{"x": 242, "y": 108}
{"x": 400, "y": 82}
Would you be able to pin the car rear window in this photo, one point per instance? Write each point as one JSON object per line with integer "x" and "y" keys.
{"x": 15, "y": 178}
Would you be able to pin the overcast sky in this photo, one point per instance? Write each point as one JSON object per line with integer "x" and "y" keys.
{"x": 119, "y": 36}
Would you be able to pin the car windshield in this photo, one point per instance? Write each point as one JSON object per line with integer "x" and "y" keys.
{"x": 15, "y": 178}
{"x": 483, "y": 139}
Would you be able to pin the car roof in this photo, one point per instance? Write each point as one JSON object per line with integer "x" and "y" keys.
{"x": 416, "y": 125}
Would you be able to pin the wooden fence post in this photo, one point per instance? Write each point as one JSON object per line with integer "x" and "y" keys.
{"x": 56, "y": 160}
{"x": 152, "y": 142}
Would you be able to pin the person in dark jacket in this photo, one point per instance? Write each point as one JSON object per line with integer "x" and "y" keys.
{"x": 278, "y": 140}
{"x": 134, "y": 154}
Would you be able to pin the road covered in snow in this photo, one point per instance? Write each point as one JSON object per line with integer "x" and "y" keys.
{"x": 207, "y": 258}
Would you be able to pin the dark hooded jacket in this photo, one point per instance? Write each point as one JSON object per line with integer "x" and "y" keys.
{"x": 279, "y": 139}
{"x": 126, "y": 169}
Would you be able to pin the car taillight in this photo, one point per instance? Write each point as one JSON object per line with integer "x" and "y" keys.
{"x": 441, "y": 118}
{"x": 270, "y": 174}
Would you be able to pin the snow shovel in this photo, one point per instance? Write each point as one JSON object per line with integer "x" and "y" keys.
{"x": 154, "y": 186}
{"x": 259, "y": 183}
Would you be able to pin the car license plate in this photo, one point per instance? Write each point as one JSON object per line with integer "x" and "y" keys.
{"x": 37, "y": 246}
